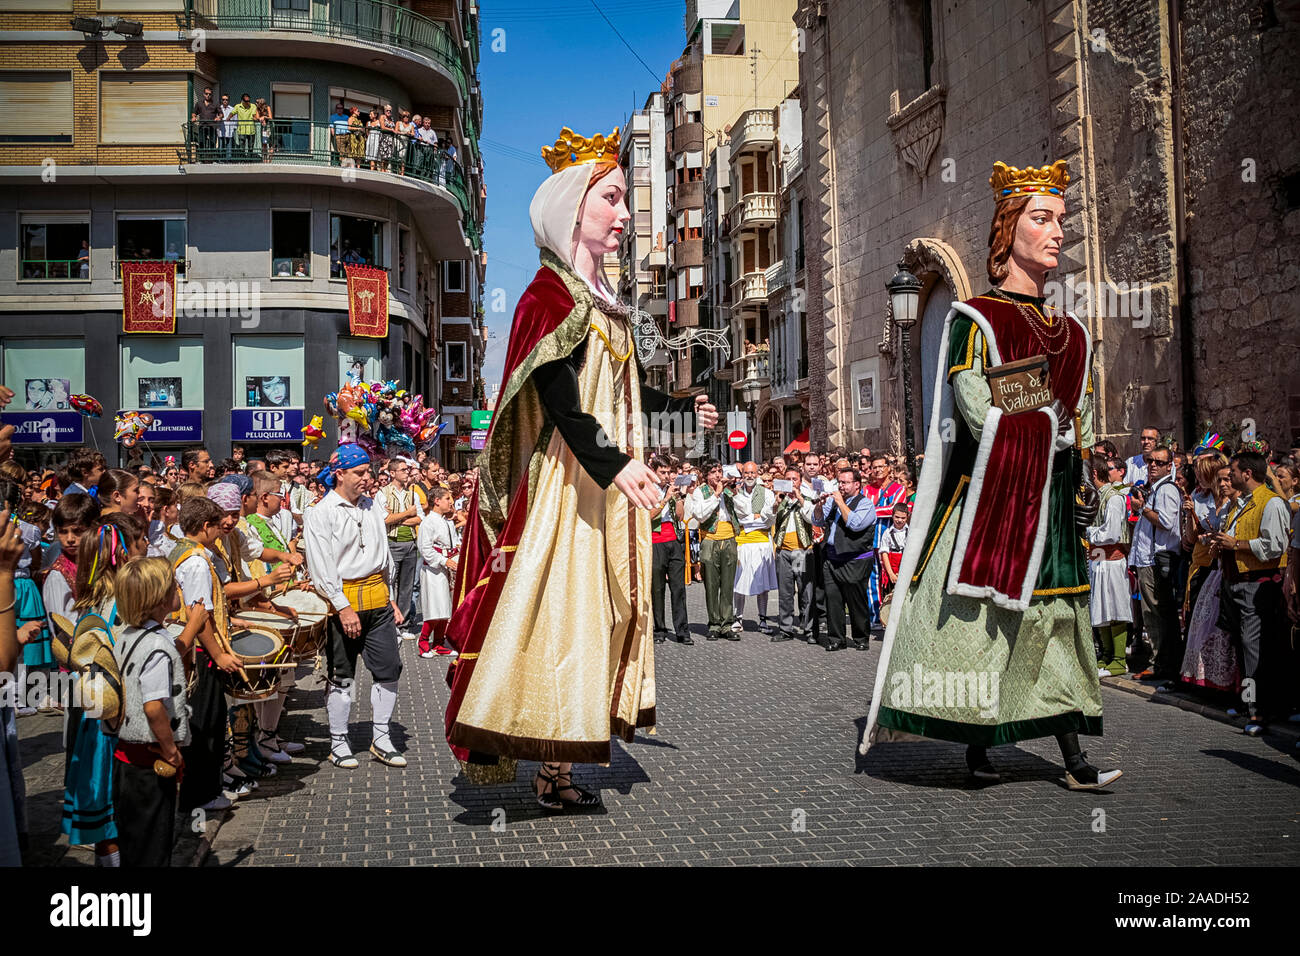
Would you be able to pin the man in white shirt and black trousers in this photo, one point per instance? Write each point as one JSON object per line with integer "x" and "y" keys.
{"x": 849, "y": 518}
{"x": 1153, "y": 555}
{"x": 350, "y": 564}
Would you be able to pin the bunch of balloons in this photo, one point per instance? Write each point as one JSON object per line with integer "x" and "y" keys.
{"x": 130, "y": 426}
{"x": 382, "y": 418}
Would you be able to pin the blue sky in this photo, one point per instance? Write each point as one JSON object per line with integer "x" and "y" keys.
{"x": 562, "y": 65}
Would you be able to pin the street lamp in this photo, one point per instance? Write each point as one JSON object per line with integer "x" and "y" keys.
{"x": 904, "y": 293}
{"x": 751, "y": 390}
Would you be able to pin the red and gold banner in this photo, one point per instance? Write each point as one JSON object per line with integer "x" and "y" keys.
{"x": 367, "y": 301}
{"x": 148, "y": 296}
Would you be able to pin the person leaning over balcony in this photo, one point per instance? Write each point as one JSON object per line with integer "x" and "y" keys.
{"x": 339, "y": 133}
{"x": 356, "y": 141}
{"x": 246, "y": 131}
{"x": 205, "y": 115}
{"x": 270, "y": 140}
{"x": 449, "y": 158}
{"x": 428, "y": 147}
{"x": 387, "y": 128}
{"x": 374, "y": 134}
{"x": 225, "y": 129}
{"x": 403, "y": 131}
{"x": 83, "y": 259}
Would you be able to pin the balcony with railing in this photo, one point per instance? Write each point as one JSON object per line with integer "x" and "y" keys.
{"x": 688, "y": 195}
{"x": 687, "y": 136}
{"x": 342, "y": 31}
{"x": 418, "y": 174}
{"x": 686, "y": 75}
{"x": 686, "y": 313}
{"x": 778, "y": 277}
{"x": 752, "y": 211}
{"x": 791, "y": 165}
{"x": 754, "y": 365}
{"x": 749, "y": 290}
{"x": 752, "y": 132}
{"x": 686, "y": 252}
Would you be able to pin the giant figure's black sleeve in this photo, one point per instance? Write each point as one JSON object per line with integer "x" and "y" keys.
{"x": 557, "y": 386}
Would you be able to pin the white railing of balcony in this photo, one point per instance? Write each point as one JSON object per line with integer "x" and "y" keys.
{"x": 754, "y": 126}
{"x": 777, "y": 276}
{"x": 793, "y": 164}
{"x": 752, "y": 285}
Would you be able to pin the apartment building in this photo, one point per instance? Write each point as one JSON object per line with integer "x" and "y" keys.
{"x": 104, "y": 159}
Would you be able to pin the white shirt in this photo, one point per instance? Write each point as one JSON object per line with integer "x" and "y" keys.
{"x": 1274, "y": 528}
{"x": 702, "y": 509}
{"x": 805, "y": 508}
{"x": 195, "y": 581}
{"x": 1148, "y": 539}
{"x": 895, "y": 539}
{"x": 1202, "y": 508}
{"x": 1136, "y": 471}
{"x": 345, "y": 542}
{"x": 1111, "y": 523}
{"x": 436, "y": 531}
{"x": 745, "y": 510}
{"x": 57, "y": 597}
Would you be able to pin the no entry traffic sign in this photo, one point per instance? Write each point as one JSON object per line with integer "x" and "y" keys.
{"x": 737, "y": 439}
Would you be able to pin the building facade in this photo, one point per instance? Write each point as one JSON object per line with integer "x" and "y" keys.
{"x": 107, "y": 159}
{"x": 1183, "y": 203}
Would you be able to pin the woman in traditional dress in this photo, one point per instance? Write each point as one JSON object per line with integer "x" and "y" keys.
{"x": 990, "y": 641}
{"x": 553, "y": 620}
{"x": 1210, "y": 660}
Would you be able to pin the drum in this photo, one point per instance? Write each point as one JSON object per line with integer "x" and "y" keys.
{"x": 261, "y": 653}
{"x": 269, "y": 621}
{"x": 313, "y": 616}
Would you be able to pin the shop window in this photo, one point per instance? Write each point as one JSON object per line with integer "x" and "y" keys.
{"x": 148, "y": 238}
{"x": 44, "y": 372}
{"x": 269, "y": 371}
{"x": 164, "y": 372}
{"x": 55, "y": 246}
{"x": 359, "y": 360}
{"x": 290, "y": 243}
{"x": 355, "y": 240}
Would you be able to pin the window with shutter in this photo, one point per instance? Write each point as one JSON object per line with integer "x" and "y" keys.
{"x": 37, "y": 107}
{"x": 145, "y": 109}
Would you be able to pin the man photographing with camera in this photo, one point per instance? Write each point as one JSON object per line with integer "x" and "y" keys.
{"x": 668, "y": 537}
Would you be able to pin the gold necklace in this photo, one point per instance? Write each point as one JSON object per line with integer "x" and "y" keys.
{"x": 1047, "y": 333}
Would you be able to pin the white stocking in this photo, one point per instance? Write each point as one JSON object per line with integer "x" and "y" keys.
{"x": 383, "y": 698}
{"x": 268, "y": 714}
{"x": 338, "y": 705}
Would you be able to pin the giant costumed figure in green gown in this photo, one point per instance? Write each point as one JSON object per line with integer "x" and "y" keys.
{"x": 990, "y": 639}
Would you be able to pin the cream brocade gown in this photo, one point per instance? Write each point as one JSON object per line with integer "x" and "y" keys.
{"x": 569, "y": 655}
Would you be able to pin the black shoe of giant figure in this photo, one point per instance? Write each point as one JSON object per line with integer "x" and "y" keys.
{"x": 977, "y": 762}
{"x": 1089, "y": 777}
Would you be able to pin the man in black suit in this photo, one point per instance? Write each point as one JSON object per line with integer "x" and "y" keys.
{"x": 668, "y": 534}
{"x": 849, "y": 519}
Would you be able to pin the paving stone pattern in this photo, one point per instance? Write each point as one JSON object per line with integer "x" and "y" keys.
{"x": 755, "y": 762}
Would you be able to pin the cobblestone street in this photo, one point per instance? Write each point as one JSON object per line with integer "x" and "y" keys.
{"x": 754, "y": 762}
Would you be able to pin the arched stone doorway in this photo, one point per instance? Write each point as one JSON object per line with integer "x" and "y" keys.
{"x": 944, "y": 280}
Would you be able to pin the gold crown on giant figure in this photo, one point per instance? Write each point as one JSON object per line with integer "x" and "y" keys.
{"x": 573, "y": 150}
{"x": 1008, "y": 182}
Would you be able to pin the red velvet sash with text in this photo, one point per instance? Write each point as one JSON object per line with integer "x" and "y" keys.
{"x": 1000, "y": 540}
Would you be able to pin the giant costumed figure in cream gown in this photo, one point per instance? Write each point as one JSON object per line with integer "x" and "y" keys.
{"x": 553, "y": 622}
{"x": 990, "y": 638}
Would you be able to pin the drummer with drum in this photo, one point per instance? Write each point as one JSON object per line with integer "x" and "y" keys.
{"x": 202, "y": 575}
{"x": 350, "y": 564}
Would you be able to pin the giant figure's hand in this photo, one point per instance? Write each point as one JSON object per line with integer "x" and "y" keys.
{"x": 706, "y": 415}
{"x": 639, "y": 483}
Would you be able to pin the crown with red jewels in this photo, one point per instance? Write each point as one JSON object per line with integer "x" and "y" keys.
{"x": 570, "y": 149}
{"x": 1008, "y": 182}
